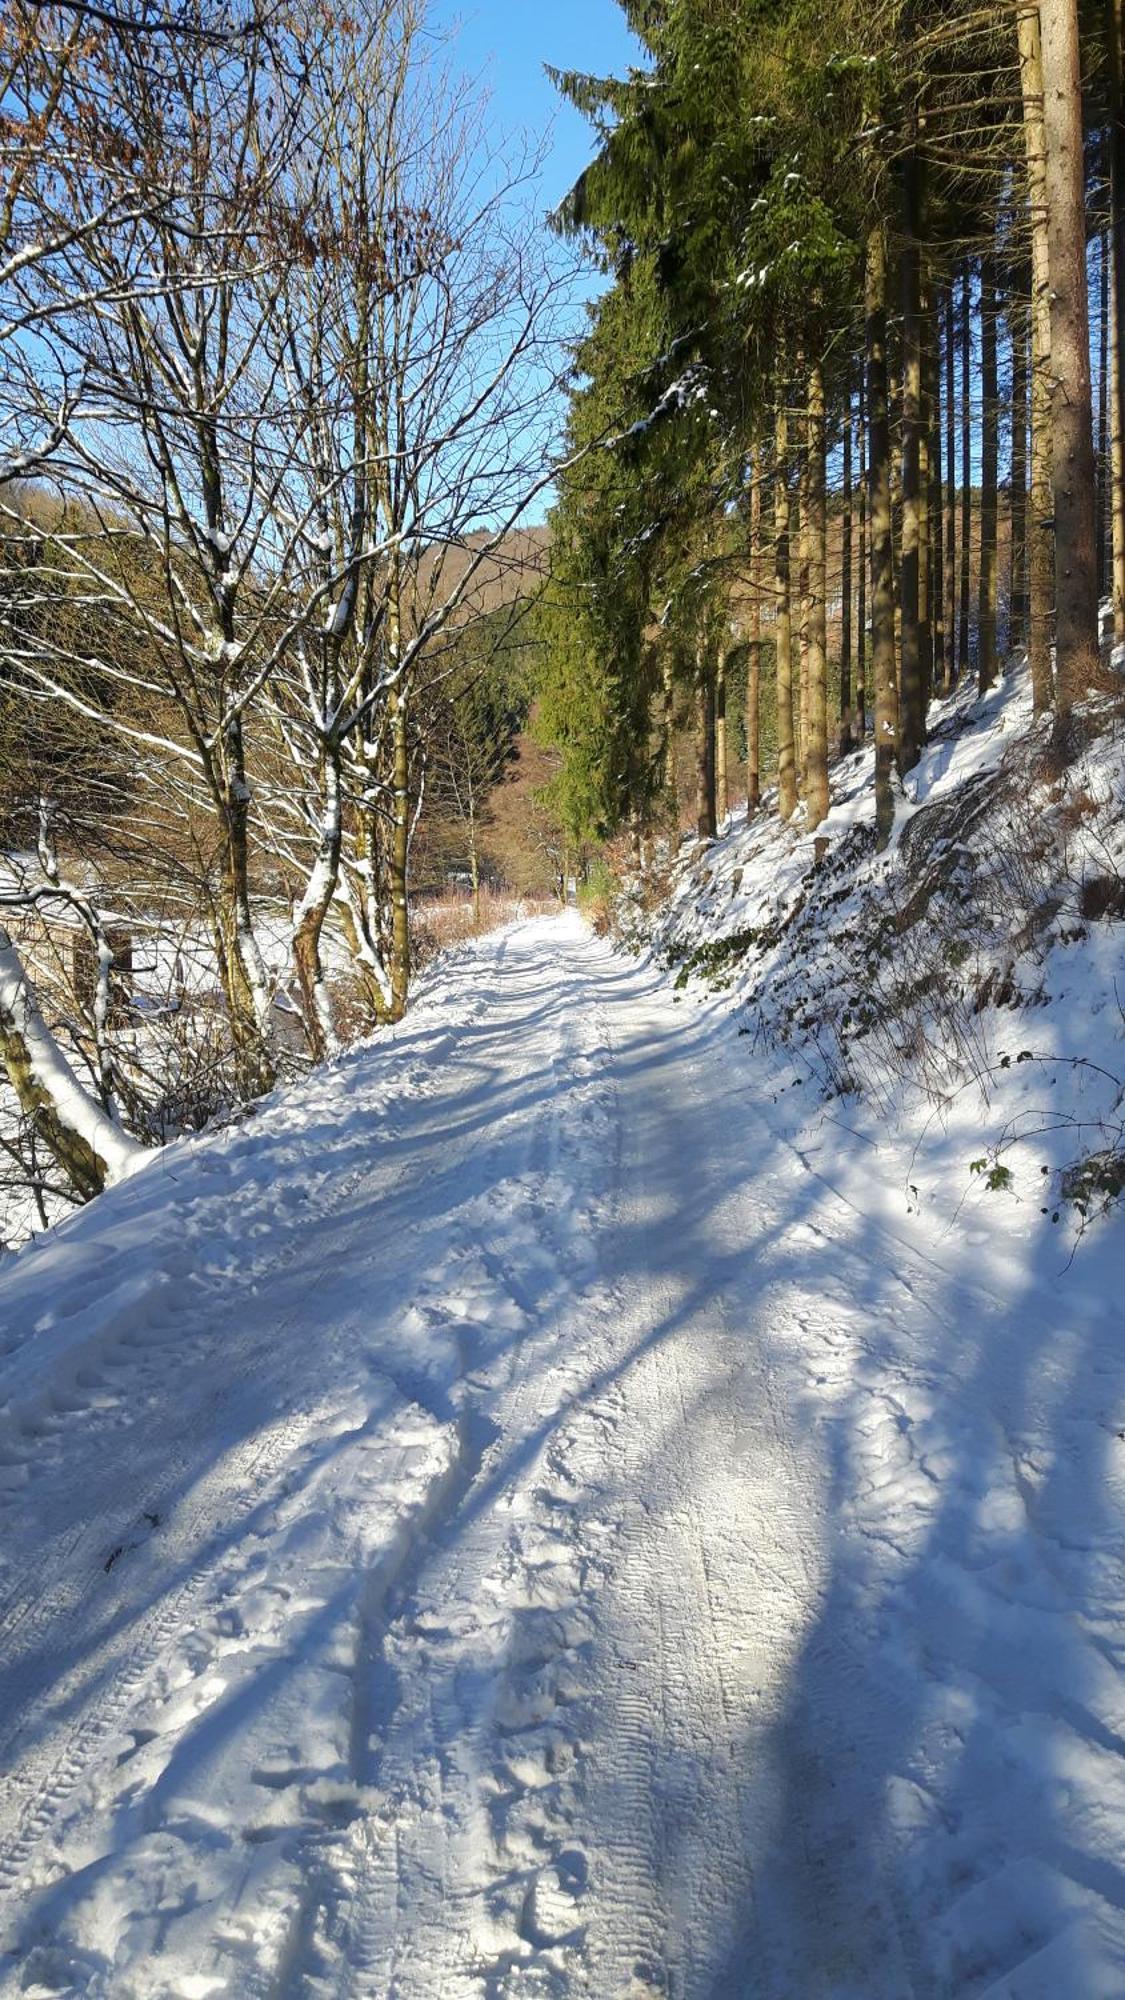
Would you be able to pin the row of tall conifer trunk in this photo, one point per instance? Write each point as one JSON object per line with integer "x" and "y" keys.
{"x": 914, "y": 458}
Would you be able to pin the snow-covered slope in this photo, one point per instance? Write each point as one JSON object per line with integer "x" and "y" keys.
{"x": 543, "y": 1511}
{"x": 936, "y": 1037}
{"x": 959, "y": 1001}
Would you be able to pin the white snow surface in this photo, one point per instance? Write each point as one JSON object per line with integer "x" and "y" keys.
{"x": 530, "y": 1513}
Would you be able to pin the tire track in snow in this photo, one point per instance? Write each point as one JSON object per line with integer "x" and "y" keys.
{"x": 151, "y": 1335}
{"x": 570, "y": 1764}
{"x": 36, "y": 1791}
{"x": 47, "y": 1777}
{"x": 485, "y": 1631}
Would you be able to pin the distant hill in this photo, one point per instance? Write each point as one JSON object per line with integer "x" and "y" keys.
{"x": 517, "y": 566}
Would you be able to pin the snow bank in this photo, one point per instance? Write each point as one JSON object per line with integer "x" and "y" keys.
{"x": 958, "y": 1000}
{"x": 926, "y": 1049}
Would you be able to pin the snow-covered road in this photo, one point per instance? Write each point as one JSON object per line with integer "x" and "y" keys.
{"x": 498, "y": 1524}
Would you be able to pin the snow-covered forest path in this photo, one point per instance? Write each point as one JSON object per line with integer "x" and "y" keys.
{"x": 498, "y": 1524}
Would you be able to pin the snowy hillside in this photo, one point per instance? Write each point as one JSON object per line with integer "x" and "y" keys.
{"x": 559, "y": 1504}
{"x": 959, "y": 1001}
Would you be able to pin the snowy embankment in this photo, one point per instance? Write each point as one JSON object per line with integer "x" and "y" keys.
{"x": 936, "y": 1039}
{"x": 544, "y": 1509}
{"x": 958, "y": 1003}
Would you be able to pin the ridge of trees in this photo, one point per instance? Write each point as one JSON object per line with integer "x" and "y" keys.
{"x": 848, "y": 252}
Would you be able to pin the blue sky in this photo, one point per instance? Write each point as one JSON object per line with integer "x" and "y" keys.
{"x": 504, "y": 45}
{"x": 508, "y": 42}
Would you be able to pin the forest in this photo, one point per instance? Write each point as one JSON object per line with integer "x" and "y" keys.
{"x": 861, "y": 351}
{"x": 351, "y": 507}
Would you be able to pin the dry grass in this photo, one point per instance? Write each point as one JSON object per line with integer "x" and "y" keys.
{"x": 440, "y": 922}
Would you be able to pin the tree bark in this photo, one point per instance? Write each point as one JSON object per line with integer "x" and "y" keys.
{"x": 248, "y": 993}
{"x": 88, "y": 1146}
{"x": 911, "y": 703}
{"x": 668, "y": 689}
{"x": 722, "y": 773}
{"x": 1072, "y": 438}
{"x": 894, "y": 402}
{"x": 803, "y": 603}
{"x": 989, "y": 467}
{"x": 882, "y": 562}
{"x": 861, "y": 574}
{"x": 816, "y": 752}
{"x": 937, "y": 516}
{"x": 754, "y": 651}
{"x": 474, "y": 864}
{"x": 399, "y": 856}
{"x": 846, "y": 585}
{"x": 705, "y": 825}
{"x": 1115, "y": 19}
{"x": 1041, "y": 552}
{"x": 966, "y": 469}
{"x": 1017, "y": 555}
{"x": 312, "y": 913}
{"x": 925, "y": 538}
{"x": 949, "y": 672}
{"x": 1117, "y": 470}
{"x": 783, "y": 624}
{"x": 1102, "y": 452}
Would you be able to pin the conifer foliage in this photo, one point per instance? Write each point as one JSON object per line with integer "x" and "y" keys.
{"x": 846, "y": 371}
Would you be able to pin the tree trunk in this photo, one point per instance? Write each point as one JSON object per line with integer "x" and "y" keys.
{"x": 911, "y": 704}
{"x": 1117, "y": 471}
{"x": 722, "y": 773}
{"x": 1017, "y": 556}
{"x": 1041, "y": 552}
{"x": 1102, "y": 453}
{"x": 1114, "y": 29}
{"x": 364, "y": 885}
{"x": 846, "y": 586}
{"x": 861, "y": 575}
{"x": 783, "y": 623}
{"x": 474, "y": 861}
{"x": 668, "y": 687}
{"x": 925, "y": 539}
{"x": 754, "y": 651}
{"x": 1072, "y": 438}
{"x": 882, "y": 563}
{"x": 88, "y": 1146}
{"x": 966, "y": 468}
{"x": 399, "y": 856}
{"x": 949, "y": 673}
{"x": 989, "y": 466}
{"x": 937, "y": 516}
{"x": 100, "y": 1006}
{"x": 816, "y": 752}
{"x": 248, "y": 992}
{"x": 803, "y": 604}
{"x": 311, "y": 913}
{"x": 704, "y": 746}
{"x": 894, "y": 402}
